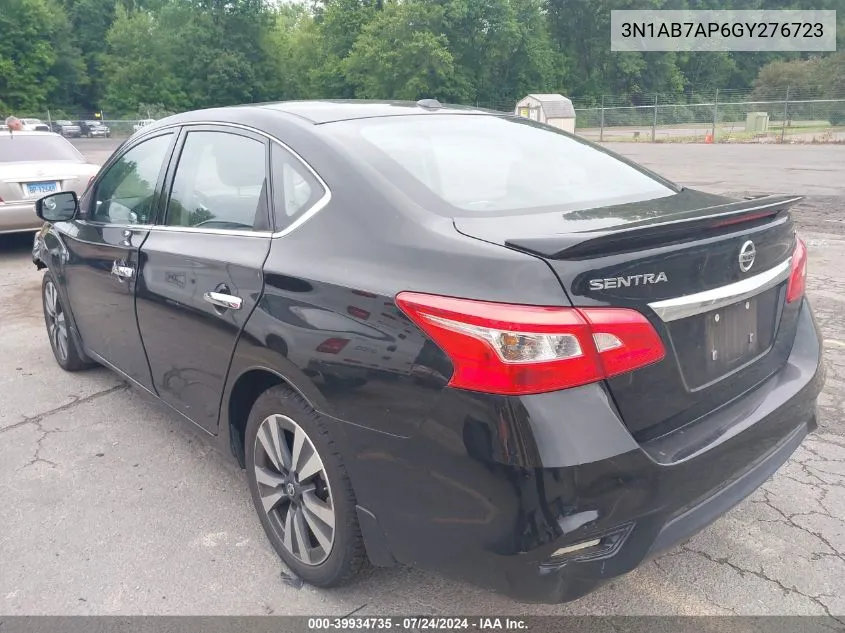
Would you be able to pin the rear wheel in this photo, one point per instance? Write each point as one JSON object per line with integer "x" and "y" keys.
{"x": 301, "y": 490}
{"x": 66, "y": 352}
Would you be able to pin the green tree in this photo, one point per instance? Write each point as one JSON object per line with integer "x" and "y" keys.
{"x": 501, "y": 48}
{"x": 37, "y": 59}
{"x": 138, "y": 65}
{"x": 402, "y": 55}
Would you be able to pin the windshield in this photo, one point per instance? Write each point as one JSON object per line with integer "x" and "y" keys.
{"x": 487, "y": 165}
{"x": 19, "y": 148}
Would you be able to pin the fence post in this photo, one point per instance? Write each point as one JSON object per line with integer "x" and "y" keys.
{"x": 49, "y": 120}
{"x": 715, "y": 114}
{"x": 654, "y": 121}
{"x": 785, "y": 114}
{"x": 601, "y": 131}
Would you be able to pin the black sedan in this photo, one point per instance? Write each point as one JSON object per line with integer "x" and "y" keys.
{"x": 442, "y": 336}
{"x": 94, "y": 129}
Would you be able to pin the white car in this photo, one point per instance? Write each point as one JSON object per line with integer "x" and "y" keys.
{"x": 32, "y": 165}
{"x": 142, "y": 124}
{"x": 34, "y": 125}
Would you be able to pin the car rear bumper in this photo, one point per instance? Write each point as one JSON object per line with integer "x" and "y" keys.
{"x": 492, "y": 501}
{"x": 17, "y": 217}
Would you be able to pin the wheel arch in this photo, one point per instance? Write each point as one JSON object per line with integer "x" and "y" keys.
{"x": 246, "y": 389}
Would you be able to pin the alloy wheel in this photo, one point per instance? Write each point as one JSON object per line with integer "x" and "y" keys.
{"x": 56, "y": 321}
{"x": 294, "y": 489}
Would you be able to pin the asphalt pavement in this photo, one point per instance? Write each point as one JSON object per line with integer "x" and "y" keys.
{"x": 111, "y": 505}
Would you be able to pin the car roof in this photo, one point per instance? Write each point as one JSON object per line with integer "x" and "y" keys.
{"x": 327, "y": 111}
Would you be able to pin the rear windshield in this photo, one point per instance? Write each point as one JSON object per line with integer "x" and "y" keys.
{"x": 486, "y": 165}
{"x": 18, "y": 148}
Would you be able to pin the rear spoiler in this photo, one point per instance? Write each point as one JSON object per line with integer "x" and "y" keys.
{"x": 683, "y": 226}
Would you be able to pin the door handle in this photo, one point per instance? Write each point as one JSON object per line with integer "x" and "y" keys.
{"x": 222, "y": 300}
{"x": 122, "y": 271}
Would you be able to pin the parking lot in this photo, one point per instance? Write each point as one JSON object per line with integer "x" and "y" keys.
{"x": 110, "y": 505}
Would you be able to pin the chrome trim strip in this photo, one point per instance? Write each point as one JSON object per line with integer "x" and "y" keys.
{"x": 700, "y": 302}
{"x": 318, "y": 206}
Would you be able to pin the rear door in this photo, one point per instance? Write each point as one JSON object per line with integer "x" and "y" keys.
{"x": 101, "y": 266}
{"x": 201, "y": 266}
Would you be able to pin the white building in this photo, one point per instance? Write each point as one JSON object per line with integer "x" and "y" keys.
{"x": 551, "y": 109}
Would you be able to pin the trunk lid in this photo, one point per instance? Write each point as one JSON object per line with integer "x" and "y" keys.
{"x": 30, "y": 181}
{"x": 710, "y": 274}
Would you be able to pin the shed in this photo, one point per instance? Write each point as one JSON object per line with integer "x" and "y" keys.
{"x": 552, "y": 109}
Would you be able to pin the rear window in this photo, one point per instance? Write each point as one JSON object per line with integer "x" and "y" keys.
{"x": 16, "y": 148}
{"x": 486, "y": 165}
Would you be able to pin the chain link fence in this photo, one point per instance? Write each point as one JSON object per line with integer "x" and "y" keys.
{"x": 91, "y": 124}
{"x": 715, "y": 116}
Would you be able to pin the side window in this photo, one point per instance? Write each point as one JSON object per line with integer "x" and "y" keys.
{"x": 295, "y": 189}
{"x": 220, "y": 183}
{"x": 126, "y": 192}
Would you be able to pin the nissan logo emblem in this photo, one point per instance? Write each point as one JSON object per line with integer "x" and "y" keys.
{"x": 746, "y": 256}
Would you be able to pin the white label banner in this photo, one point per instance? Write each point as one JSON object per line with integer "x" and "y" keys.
{"x": 713, "y": 31}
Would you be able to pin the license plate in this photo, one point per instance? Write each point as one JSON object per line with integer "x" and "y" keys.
{"x": 732, "y": 334}
{"x": 38, "y": 189}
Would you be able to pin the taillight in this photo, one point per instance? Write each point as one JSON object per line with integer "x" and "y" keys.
{"x": 798, "y": 276}
{"x": 511, "y": 349}
{"x": 332, "y": 345}
{"x": 624, "y": 339}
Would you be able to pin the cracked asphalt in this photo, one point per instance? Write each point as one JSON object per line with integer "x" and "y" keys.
{"x": 110, "y": 505}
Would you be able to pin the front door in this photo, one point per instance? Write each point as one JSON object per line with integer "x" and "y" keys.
{"x": 102, "y": 262}
{"x": 201, "y": 268}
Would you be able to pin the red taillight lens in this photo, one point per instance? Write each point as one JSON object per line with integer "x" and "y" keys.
{"x": 624, "y": 338}
{"x": 798, "y": 277}
{"x": 511, "y": 349}
{"x": 332, "y": 345}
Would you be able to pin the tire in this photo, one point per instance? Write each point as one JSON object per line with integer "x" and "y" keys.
{"x": 293, "y": 513}
{"x": 65, "y": 350}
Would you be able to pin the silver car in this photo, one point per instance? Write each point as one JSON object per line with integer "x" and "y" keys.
{"x": 33, "y": 164}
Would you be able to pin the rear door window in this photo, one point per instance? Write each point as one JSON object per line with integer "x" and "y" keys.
{"x": 220, "y": 183}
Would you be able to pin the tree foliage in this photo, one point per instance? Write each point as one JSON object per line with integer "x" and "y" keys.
{"x": 118, "y": 55}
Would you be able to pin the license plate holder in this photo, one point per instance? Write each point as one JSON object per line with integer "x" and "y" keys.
{"x": 732, "y": 335}
{"x": 35, "y": 190}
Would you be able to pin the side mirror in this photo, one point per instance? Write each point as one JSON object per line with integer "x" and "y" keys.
{"x": 57, "y": 207}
